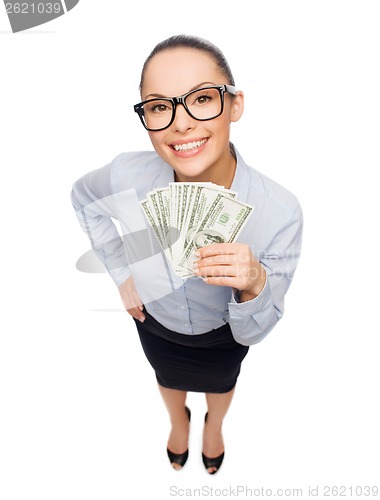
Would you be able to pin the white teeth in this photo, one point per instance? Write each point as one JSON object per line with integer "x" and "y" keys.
{"x": 189, "y": 145}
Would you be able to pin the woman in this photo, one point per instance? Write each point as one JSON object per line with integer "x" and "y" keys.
{"x": 194, "y": 331}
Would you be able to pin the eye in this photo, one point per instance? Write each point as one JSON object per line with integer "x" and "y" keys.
{"x": 202, "y": 99}
{"x": 159, "y": 108}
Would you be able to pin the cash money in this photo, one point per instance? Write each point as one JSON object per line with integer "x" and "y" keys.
{"x": 188, "y": 215}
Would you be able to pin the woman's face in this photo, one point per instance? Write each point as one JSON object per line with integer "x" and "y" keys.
{"x": 172, "y": 73}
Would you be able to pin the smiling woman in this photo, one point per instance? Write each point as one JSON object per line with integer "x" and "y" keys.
{"x": 206, "y": 97}
{"x": 195, "y": 331}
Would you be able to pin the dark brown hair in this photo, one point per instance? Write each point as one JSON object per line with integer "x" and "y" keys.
{"x": 193, "y": 42}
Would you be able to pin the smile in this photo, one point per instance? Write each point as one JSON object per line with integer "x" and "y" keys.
{"x": 189, "y": 146}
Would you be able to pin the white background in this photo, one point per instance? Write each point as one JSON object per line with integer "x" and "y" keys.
{"x": 81, "y": 417}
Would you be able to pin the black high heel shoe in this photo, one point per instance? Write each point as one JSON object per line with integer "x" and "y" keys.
{"x": 212, "y": 462}
{"x": 179, "y": 458}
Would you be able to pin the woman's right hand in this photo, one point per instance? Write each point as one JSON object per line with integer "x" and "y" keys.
{"x": 131, "y": 299}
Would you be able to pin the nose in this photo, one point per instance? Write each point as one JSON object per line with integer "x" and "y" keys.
{"x": 182, "y": 120}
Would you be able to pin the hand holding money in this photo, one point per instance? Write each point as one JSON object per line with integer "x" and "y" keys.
{"x": 188, "y": 216}
{"x": 233, "y": 265}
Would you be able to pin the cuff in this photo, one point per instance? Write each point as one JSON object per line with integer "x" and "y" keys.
{"x": 249, "y": 307}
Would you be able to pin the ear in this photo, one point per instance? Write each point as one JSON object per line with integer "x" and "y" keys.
{"x": 237, "y": 106}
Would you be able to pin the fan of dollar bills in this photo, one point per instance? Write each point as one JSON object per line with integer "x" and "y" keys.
{"x": 186, "y": 216}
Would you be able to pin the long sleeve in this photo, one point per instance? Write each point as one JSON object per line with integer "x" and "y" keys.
{"x": 188, "y": 306}
{"x": 251, "y": 321}
{"x": 94, "y": 206}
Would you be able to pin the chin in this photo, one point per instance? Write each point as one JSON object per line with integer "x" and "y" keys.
{"x": 190, "y": 171}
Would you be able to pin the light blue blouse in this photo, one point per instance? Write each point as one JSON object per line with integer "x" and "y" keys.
{"x": 273, "y": 231}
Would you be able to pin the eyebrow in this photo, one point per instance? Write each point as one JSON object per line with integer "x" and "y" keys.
{"x": 199, "y": 85}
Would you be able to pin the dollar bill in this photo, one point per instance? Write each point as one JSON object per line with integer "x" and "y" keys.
{"x": 187, "y": 215}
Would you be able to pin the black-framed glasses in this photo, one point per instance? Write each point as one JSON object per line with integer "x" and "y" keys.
{"x": 202, "y": 104}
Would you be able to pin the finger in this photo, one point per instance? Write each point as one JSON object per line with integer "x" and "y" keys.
{"x": 216, "y": 249}
{"x": 215, "y": 271}
{"x": 215, "y": 260}
{"x": 136, "y": 313}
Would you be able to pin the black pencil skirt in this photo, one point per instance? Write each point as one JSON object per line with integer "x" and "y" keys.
{"x": 209, "y": 362}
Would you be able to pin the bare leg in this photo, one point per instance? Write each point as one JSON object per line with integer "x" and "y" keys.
{"x": 218, "y": 404}
{"x": 175, "y": 403}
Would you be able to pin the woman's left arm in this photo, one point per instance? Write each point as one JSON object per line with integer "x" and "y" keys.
{"x": 259, "y": 283}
